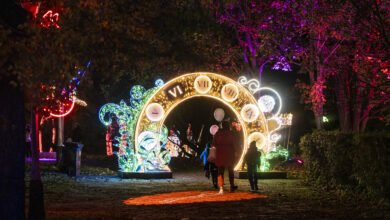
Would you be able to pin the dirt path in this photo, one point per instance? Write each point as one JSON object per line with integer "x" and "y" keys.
{"x": 189, "y": 196}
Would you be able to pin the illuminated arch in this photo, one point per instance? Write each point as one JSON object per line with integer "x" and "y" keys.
{"x": 143, "y": 137}
{"x": 197, "y": 84}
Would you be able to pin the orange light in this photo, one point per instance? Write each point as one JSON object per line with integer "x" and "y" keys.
{"x": 191, "y": 197}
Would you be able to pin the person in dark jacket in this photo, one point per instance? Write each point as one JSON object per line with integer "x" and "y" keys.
{"x": 252, "y": 160}
{"x": 225, "y": 141}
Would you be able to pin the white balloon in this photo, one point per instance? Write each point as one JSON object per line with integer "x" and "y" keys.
{"x": 219, "y": 114}
{"x": 214, "y": 129}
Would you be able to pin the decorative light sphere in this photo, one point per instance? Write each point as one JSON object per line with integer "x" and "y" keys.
{"x": 154, "y": 112}
{"x": 203, "y": 84}
{"x": 219, "y": 114}
{"x": 159, "y": 83}
{"x": 266, "y": 103}
{"x": 214, "y": 129}
{"x": 250, "y": 112}
{"x": 229, "y": 92}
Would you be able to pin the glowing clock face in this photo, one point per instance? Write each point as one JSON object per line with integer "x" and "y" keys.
{"x": 250, "y": 112}
{"x": 229, "y": 92}
{"x": 203, "y": 84}
{"x": 154, "y": 112}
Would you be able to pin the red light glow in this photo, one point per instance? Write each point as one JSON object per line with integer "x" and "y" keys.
{"x": 50, "y": 19}
{"x": 67, "y": 112}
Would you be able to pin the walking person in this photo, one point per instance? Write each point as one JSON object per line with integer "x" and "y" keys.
{"x": 225, "y": 142}
{"x": 252, "y": 160}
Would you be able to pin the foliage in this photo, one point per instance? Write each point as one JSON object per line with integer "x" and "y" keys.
{"x": 263, "y": 30}
{"x": 338, "y": 45}
{"x": 349, "y": 161}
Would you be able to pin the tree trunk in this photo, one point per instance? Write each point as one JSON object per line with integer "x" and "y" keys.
{"x": 318, "y": 120}
{"x": 367, "y": 111}
{"x": 36, "y": 208}
{"x": 357, "y": 108}
{"x": 342, "y": 96}
{"x": 12, "y": 151}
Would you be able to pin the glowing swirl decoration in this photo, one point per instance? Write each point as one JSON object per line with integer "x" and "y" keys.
{"x": 253, "y": 84}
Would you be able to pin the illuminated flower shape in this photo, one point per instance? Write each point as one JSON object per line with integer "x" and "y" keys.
{"x": 266, "y": 103}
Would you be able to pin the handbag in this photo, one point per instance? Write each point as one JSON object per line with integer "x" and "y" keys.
{"x": 212, "y": 154}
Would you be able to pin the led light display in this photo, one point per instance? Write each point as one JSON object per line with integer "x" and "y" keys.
{"x": 144, "y": 144}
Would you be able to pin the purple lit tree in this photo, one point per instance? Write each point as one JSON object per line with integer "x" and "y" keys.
{"x": 264, "y": 31}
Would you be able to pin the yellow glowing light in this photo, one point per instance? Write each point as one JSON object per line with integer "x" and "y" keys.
{"x": 208, "y": 85}
{"x": 203, "y": 84}
{"x": 230, "y": 92}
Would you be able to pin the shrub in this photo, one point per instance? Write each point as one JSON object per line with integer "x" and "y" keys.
{"x": 345, "y": 160}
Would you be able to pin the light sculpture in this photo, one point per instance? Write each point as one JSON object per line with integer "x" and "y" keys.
{"x": 143, "y": 136}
